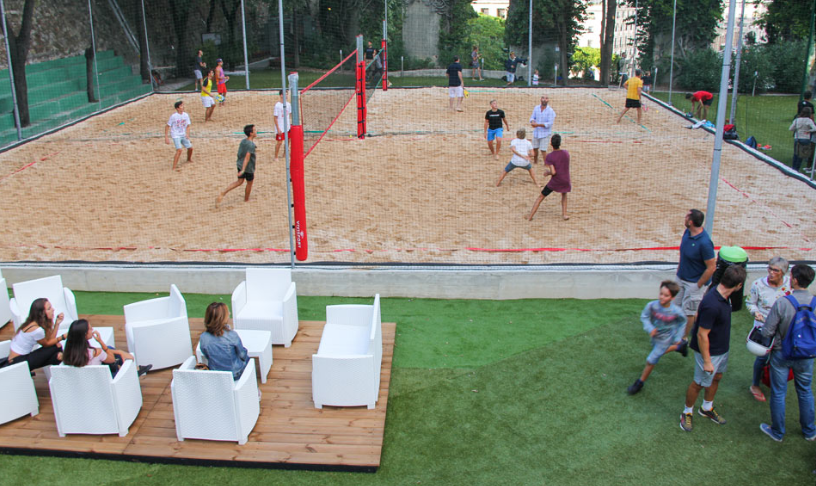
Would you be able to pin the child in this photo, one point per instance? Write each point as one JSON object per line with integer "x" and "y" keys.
{"x": 178, "y": 128}
{"x": 666, "y": 323}
{"x": 522, "y": 152}
{"x": 281, "y": 126}
{"x": 535, "y": 77}
{"x": 245, "y": 164}
{"x": 221, "y": 81}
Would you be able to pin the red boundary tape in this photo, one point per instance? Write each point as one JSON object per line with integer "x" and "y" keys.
{"x": 26, "y": 166}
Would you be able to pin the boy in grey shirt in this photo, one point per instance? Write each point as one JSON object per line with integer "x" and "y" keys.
{"x": 245, "y": 164}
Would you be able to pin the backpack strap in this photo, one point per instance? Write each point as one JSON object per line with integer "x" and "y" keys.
{"x": 795, "y": 302}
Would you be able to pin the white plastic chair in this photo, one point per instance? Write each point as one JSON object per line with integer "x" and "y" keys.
{"x": 88, "y": 400}
{"x": 61, "y": 298}
{"x": 158, "y": 332}
{"x": 5, "y": 309}
{"x": 267, "y": 301}
{"x": 17, "y": 394}
{"x": 211, "y": 405}
{"x": 346, "y": 369}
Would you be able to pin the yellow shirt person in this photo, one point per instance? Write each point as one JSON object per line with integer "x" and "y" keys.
{"x": 632, "y": 88}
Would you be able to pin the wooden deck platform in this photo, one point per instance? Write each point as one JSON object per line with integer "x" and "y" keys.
{"x": 291, "y": 433}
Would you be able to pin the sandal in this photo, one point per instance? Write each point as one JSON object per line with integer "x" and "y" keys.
{"x": 760, "y": 397}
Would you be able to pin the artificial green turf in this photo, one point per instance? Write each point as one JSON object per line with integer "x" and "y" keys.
{"x": 766, "y": 117}
{"x": 530, "y": 392}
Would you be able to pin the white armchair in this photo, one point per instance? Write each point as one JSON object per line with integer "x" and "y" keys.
{"x": 61, "y": 298}
{"x": 158, "y": 332}
{"x": 18, "y": 397}
{"x": 5, "y": 309}
{"x": 88, "y": 401}
{"x": 267, "y": 301}
{"x": 211, "y": 405}
{"x": 346, "y": 369}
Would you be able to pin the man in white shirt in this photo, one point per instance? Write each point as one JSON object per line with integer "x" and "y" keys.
{"x": 281, "y": 126}
{"x": 178, "y": 128}
{"x": 542, "y": 121}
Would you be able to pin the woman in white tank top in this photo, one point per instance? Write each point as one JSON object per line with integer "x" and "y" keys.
{"x": 40, "y": 329}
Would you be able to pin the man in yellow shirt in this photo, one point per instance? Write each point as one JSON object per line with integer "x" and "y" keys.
{"x": 633, "y": 86}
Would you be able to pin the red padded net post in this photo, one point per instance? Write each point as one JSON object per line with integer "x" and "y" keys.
{"x": 361, "y": 99}
{"x": 298, "y": 191}
{"x": 384, "y": 56}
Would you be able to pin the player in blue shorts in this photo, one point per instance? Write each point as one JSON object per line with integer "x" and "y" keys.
{"x": 493, "y": 128}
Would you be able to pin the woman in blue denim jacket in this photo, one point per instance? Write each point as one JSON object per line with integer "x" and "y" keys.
{"x": 221, "y": 346}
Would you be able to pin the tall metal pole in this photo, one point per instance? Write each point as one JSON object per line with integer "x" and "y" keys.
{"x": 246, "y": 56}
{"x": 147, "y": 45}
{"x": 93, "y": 46}
{"x": 285, "y": 135}
{"x": 718, "y": 136}
{"x": 671, "y": 65}
{"x": 11, "y": 73}
{"x": 634, "y": 42}
{"x": 737, "y": 67}
{"x": 806, "y": 69}
{"x": 530, "y": 46}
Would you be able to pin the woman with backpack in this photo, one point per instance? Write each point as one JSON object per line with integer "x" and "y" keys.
{"x": 802, "y": 127}
{"x": 764, "y": 293}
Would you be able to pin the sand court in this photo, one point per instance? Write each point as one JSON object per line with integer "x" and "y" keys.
{"x": 420, "y": 189}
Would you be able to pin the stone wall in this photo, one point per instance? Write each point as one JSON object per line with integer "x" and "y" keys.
{"x": 420, "y": 29}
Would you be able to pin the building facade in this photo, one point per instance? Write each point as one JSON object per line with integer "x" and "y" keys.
{"x": 494, "y": 8}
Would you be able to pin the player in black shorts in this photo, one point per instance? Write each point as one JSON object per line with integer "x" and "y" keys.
{"x": 493, "y": 128}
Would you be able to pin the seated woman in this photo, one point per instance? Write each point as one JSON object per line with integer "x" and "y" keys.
{"x": 38, "y": 328}
{"x": 79, "y": 353}
{"x": 221, "y": 346}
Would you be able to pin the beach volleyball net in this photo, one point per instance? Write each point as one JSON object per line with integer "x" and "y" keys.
{"x": 323, "y": 101}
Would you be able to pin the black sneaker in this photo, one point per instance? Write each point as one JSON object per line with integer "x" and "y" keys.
{"x": 142, "y": 370}
{"x": 683, "y": 348}
{"x": 685, "y": 421}
{"x": 713, "y": 415}
{"x": 636, "y": 387}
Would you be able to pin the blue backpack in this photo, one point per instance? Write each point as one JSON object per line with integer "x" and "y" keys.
{"x": 800, "y": 341}
{"x": 751, "y": 142}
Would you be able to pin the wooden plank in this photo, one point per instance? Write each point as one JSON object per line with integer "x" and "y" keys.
{"x": 289, "y": 430}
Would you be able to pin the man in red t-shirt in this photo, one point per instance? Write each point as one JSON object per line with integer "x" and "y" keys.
{"x": 700, "y": 101}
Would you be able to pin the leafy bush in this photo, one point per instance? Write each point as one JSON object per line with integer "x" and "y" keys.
{"x": 584, "y": 59}
{"x": 700, "y": 70}
{"x": 488, "y": 33}
{"x": 787, "y": 59}
{"x": 755, "y": 60}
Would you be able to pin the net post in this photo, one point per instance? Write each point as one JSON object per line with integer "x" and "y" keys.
{"x": 296, "y": 169}
{"x": 360, "y": 89}
{"x": 384, "y": 56}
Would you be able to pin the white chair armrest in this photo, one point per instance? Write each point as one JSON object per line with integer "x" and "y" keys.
{"x": 247, "y": 404}
{"x": 5, "y": 348}
{"x": 239, "y": 298}
{"x": 16, "y": 315}
{"x": 146, "y": 310}
{"x": 70, "y": 305}
{"x": 178, "y": 299}
{"x": 189, "y": 364}
{"x": 349, "y": 315}
{"x": 5, "y": 311}
{"x": 127, "y": 395}
{"x": 290, "y": 311}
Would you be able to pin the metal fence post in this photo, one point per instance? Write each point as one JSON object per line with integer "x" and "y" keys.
{"x": 246, "y": 55}
{"x": 737, "y": 68}
{"x": 671, "y": 64}
{"x": 286, "y": 138}
{"x": 147, "y": 45}
{"x": 11, "y": 73}
{"x": 530, "y": 46}
{"x": 96, "y": 68}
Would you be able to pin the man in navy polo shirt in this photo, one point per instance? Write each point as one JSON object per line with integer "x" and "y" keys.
{"x": 710, "y": 340}
{"x": 697, "y": 265}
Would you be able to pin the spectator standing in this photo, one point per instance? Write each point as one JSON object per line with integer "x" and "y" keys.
{"x": 778, "y": 325}
{"x": 647, "y": 82}
{"x": 199, "y": 69}
{"x": 542, "y": 121}
{"x": 510, "y": 65}
{"x": 456, "y": 85}
{"x": 475, "y": 64}
{"x": 806, "y": 97}
{"x": 762, "y": 296}
{"x": 710, "y": 342}
{"x": 280, "y": 107}
{"x": 803, "y": 128}
{"x": 696, "y": 266}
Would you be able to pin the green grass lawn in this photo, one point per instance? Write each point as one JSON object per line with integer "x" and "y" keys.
{"x": 767, "y": 118}
{"x": 512, "y": 392}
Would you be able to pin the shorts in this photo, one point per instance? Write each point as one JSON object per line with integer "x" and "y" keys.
{"x": 456, "y": 91}
{"x": 546, "y": 191}
{"x": 279, "y": 137}
{"x": 182, "y": 141}
{"x": 704, "y": 379}
{"x": 662, "y": 342}
{"x": 222, "y": 88}
{"x": 511, "y": 77}
{"x": 249, "y": 176}
{"x": 511, "y": 166}
{"x": 689, "y": 296}
{"x": 630, "y": 103}
{"x": 197, "y": 74}
{"x": 474, "y": 64}
{"x": 541, "y": 143}
{"x": 207, "y": 101}
{"x": 647, "y": 88}
{"x": 494, "y": 133}
{"x": 708, "y": 102}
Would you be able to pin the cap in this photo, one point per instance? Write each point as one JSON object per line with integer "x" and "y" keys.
{"x": 219, "y": 60}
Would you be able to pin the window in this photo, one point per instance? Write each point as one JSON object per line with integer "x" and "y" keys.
{"x": 501, "y": 13}
{"x": 486, "y": 11}
{"x": 589, "y": 43}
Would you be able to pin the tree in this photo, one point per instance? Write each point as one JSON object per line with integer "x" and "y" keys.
{"x": 179, "y": 10}
{"x": 608, "y": 39}
{"x": 144, "y": 68}
{"x": 487, "y": 32}
{"x": 453, "y": 30}
{"x": 19, "y": 45}
{"x": 584, "y": 59}
{"x": 230, "y": 10}
{"x": 787, "y": 20}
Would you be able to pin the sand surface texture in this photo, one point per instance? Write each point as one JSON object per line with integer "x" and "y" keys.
{"x": 420, "y": 189}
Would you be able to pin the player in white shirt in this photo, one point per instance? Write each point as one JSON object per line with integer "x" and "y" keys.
{"x": 281, "y": 125}
{"x": 522, "y": 152}
{"x": 178, "y": 128}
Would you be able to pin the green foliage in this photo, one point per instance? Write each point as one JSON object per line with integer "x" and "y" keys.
{"x": 700, "y": 70}
{"x": 453, "y": 31}
{"x": 787, "y": 20}
{"x": 584, "y": 59}
{"x": 488, "y": 33}
{"x": 755, "y": 60}
{"x": 549, "y": 16}
{"x": 787, "y": 60}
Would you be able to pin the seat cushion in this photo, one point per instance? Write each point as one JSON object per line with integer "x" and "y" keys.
{"x": 262, "y": 311}
{"x": 338, "y": 340}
